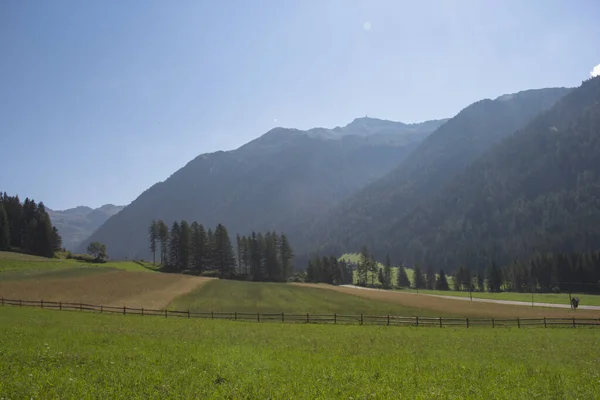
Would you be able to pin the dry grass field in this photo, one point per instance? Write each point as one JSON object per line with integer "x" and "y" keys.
{"x": 106, "y": 287}
{"x": 457, "y": 307}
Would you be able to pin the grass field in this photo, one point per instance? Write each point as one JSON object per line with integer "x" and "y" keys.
{"x": 553, "y": 298}
{"x": 10, "y": 261}
{"x": 236, "y": 296}
{"x": 71, "y": 355}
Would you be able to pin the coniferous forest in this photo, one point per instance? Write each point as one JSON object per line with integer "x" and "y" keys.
{"x": 192, "y": 248}
{"x": 26, "y": 227}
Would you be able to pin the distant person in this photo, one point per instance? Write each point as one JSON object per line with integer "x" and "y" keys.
{"x": 575, "y": 302}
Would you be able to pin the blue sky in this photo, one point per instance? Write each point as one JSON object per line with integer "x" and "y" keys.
{"x": 101, "y": 99}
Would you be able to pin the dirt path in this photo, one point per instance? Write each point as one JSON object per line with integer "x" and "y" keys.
{"x": 507, "y": 302}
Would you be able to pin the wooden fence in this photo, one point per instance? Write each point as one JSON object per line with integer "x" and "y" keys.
{"x": 342, "y": 319}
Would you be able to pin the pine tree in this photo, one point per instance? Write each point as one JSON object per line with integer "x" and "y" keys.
{"x": 418, "y": 280}
{"x": 402, "y": 279}
{"x": 381, "y": 276}
{"x": 442, "y": 281}
{"x": 4, "y": 229}
{"x": 163, "y": 237}
{"x": 56, "y": 240}
{"x": 185, "y": 241}
{"x": 373, "y": 268}
{"x": 198, "y": 248}
{"x": 387, "y": 273}
{"x": 286, "y": 254}
{"x": 43, "y": 239}
{"x": 152, "y": 238}
{"x": 363, "y": 266}
{"x": 256, "y": 267}
{"x": 210, "y": 249}
{"x": 494, "y": 278}
{"x": 174, "y": 260}
{"x": 238, "y": 241}
{"x": 430, "y": 278}
{"x": 224, "y": 252}
{"x": 272, "y": 266}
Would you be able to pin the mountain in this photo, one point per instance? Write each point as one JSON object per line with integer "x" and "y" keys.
{"x": 374, "y": 215}
{"x": 537, "y": 191}
{"x": 77, "y": 224}
{"x": 282, "y": 181}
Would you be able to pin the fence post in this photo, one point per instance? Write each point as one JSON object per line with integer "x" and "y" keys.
{"x": 518, "y": 322}
{"x": 281, "y": 317}
{"x": 335, "y": 318}
{"x": 142, "y": 311}
{"x": 361, "y": 319}
{"x": 101, "y": 308}
{"x": 60, "y": 305}
{"x": 257, "y": 316}
{"x": 440, "y": 322}
{"x": 188, "y": 313}
{"x": 234, "y": 317}
{"x": 80, "y": 306}
{"x": 42, "y": 303}
{"x": 388, "y": 320}
{"x": 3, "y": 302}
{"x": 165, "y": 313}
{"x": 573, "y": 322}
{"x": 467, "y": 318}
{"x": 493, "y": 323}
{"x": 124, "y": 310}
{"x": 307, "y": 318}
{"x": 544, "y": 322}
{"x": 417, "y": 320}
{"x": 212, "y": 315}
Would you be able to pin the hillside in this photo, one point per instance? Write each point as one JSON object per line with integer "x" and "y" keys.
{"x": 77, "y": 224}
{"x": 372, "y": 216}
{"x": 281, "y": 181}
{"x": 537, "y": 191}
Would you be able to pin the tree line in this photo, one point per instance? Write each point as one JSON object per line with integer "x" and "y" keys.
{"x": 191, "y": 247}
{"x": 26, "y": 227}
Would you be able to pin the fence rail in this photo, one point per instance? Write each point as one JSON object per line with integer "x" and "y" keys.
{"x": 341, "y": 319}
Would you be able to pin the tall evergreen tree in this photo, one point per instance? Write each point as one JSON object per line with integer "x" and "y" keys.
{"x": 402, "y": 278}
{"x": 174, "y": 261}
{"x": 430, "y": 278}
{"x": 286, "y": 254}
{"x": 56, "y": 240}
{"x": 387, "y": 273}
{"x": 163, "y": 237}
{"x": 494, "y": 278}
{"x": 210, "y": 249}
{"x": 4, "y": 229}
{"x": 238, "y": 241}
{"x": 198, "y": 248}
{"x": 418, "y": 280}
{"x": 272, "y": 265}
{"x": 442, "y": 281}
{"x": 224, "y": 252}
{"x": 185, "y": 241}
{"x": 256, "y": 265}
{"x": 363, "y": 266}
{"x": 152, "y": 238}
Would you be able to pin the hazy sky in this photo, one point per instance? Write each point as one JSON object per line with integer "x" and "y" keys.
{"x": 101, "y": 99}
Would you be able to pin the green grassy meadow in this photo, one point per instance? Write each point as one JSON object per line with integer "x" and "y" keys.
{"x": 72, "y": 355}
{"x": 16, "y": 262}
{"x": 251, "y": 297}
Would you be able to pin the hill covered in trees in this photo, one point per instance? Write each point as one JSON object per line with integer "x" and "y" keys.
{"x": 26, "y": 227}
{"x": 77, "y": 224}
{"x": 374, "y": 215}
{"x": 537, "y": 191}
{"x": 282, "y": 181}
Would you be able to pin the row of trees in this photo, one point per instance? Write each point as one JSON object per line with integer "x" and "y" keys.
{"x": 27, "y": 227}
{"x": 191, "y": 247}
{"x": 328, "y": 270}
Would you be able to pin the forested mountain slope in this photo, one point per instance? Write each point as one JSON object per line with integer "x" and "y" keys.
{"x": 77, "y": 224}
{"x": 279, "y": 182}
{"x": 537, "y": 191}
{"x": 371, "y": 217}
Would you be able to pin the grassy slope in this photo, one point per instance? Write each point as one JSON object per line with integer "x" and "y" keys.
{"x": 52, "y": 354}
{"x": 21, "y": 262}
{"x": 235, "y": 296}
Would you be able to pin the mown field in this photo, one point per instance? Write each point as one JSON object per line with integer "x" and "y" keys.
{"x": 250, "y": 297}
{"x": 71, "y": 355}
